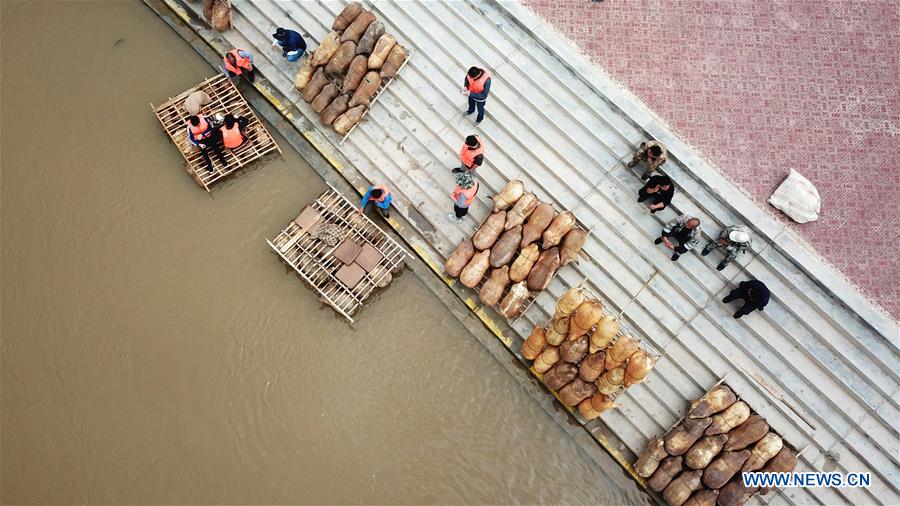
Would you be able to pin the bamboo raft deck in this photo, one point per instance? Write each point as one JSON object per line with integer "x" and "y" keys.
{"x": 315, "y": 261}
{"x": 225, "y": 98}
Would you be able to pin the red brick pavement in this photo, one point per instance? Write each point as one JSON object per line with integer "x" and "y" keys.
{"x": 761, "y": 87}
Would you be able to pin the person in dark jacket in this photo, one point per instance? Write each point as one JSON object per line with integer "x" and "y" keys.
{"x": 680, "y": 235}
{"x": 203, "y": 132}
{"x": 292, "y": 44}
{"x": 754, "y": 293}
{"x": 658, "y": 191}
{"x": 477, "y": 85}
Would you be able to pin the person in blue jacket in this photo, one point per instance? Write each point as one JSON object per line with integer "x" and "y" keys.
{"x": 380, "y": 196}
{"x": 292, "y": 44}
{"x": 477, "y": 85}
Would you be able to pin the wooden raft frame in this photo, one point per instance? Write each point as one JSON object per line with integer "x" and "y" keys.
{"x": 314, "y": 261}
{"x": 225, "y": 98}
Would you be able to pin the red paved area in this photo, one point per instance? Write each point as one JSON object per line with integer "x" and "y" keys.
{"x": 761, "y": 87}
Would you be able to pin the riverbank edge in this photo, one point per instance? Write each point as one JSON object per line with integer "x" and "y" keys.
{"x": 596, "y": 441}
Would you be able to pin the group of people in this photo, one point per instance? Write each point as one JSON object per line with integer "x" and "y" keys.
{"x": 683, "y": 233}
{"x": 679, "y": 235}
{"x": 213, "y": 133}
{"x": 471, "y": 156}
{"x": 477, "y": 87}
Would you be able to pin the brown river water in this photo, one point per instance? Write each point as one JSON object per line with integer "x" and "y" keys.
{"x": 155, "y": 351}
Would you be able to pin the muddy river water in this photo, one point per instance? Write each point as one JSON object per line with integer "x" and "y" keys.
{"x": 155, "y": 351}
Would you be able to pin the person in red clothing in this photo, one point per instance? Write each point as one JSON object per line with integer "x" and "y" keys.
{"x": 233, "y": 131}
{"x": 463, "y": 196}
{"x": 471, "y": 155}
{"x": 239, "y": 63}
{"x": 201, "y": 132}
{"x": 477, "y": 85}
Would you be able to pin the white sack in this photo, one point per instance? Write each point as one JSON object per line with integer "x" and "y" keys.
{"x": 797, "y": 198}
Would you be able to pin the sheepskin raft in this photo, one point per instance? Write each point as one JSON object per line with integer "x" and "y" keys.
{"x": 225, "y": 99}
{"x": 340, "y": 253}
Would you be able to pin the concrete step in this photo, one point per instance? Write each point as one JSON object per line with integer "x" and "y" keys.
{"x": 566, "y": 135}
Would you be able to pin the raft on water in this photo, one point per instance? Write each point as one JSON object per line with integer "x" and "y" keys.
{"x": 339, "y": 252}
{"x": 225, "y": 99}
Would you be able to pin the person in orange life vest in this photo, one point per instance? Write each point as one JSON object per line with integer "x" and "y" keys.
{"x": 379, "y": 196}
{"x": 233, "y": 131}
{"x": 463, "y": 196}
{"x": 471, "y": 155}
{"x": 239, "y": 63}
{"x": 202, "y": 133}
{"x": 477, "y": 85}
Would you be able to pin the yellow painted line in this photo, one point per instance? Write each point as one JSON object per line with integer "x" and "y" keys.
{"x": 179, "y": 11}
{"x": 614, "y": 452}
{"x": 433, "y": 263}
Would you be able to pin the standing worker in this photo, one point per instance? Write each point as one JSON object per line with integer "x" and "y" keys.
{"x": 471, "y": 155}
{"x": 685, "y": 230}
{"x": 202, "y": 133}
{"x": 658, "y": 191}
{"x": 652, "y": 153}
{"x": 292, "y": 44}
{"x": 239, "y": 63}
{"x": 477, "y": 85}
{"x": 754, "y": 293}
{"x": 463, "y": 196}
{"x": 380, "y": 196}
{"x": 735, "y": 239}
{"x": 233, "y": 131}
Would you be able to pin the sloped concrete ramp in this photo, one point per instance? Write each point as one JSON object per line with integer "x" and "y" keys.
{"x": 820, "y": 363}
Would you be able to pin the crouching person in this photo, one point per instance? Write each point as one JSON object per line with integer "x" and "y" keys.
{"x": 233, "y": 135}
{"x": 754, "y": 293}
{"x": 378, "y": 196}
{"x": 202, "y": 133}
{"x": 680, "y": 235}
{"x": 735, "y": 239}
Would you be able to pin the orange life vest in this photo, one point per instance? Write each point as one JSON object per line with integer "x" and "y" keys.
{"x": 242, "y": 63}
{"x": 467, "y": 156}
{"x": 201, "y": 131}
{"x": 477, "y": 85}
{"x": 232, "y": 137}
{"x": 384, "y": 193}
{"x": 469, "y": 193}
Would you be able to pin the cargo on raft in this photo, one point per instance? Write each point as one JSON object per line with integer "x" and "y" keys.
{"x": 339, "y": 252}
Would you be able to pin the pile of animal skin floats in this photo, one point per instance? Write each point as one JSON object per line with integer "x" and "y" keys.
{"x": 525, "y": 246}
{"x": 341, "y": 78}
{"x": 699, "y": 461}
{"x": 585, "y": 356}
